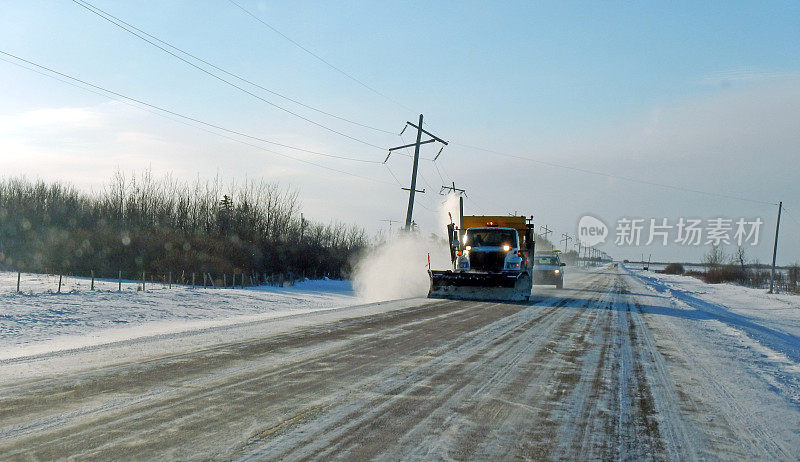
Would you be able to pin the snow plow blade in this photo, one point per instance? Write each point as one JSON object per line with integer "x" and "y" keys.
{"x": 480, "y": 286}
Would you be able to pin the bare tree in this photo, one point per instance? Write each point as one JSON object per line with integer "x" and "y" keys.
{"x": 715, "y": 257}
{"x": 741, "y": 257}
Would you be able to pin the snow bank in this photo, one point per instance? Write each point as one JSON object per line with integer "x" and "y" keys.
{"x": 40, "y": 320}
{"x": 783, "y": 309}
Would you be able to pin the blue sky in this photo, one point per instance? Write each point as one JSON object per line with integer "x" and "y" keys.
{"x": 701, "y": 95}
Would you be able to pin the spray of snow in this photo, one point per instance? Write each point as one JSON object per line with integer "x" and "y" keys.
{"x": 397, "y": 268}
{"x": 449, "y": 206}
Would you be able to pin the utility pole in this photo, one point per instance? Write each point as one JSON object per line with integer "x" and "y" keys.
{"x": 461, "y": 193}
{"x": 390, "y": 224}
{"x": 565, "y": 239}
{"x": 775, "y": 249}
{"x": 546, "y": 231}
{"x": 452, "y": 189}
{"x": 412, "y": 190}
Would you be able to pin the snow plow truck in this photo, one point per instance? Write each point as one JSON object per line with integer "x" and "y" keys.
{"x": 491, "y": 259}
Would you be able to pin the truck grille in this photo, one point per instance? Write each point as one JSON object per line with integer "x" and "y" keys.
{"x": 487, "y": 261}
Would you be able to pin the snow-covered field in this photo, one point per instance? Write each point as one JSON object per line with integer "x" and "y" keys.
{"x": 780, "y": 310}
{"x": 757, "y": 330}
{"x": 39, "y": 320}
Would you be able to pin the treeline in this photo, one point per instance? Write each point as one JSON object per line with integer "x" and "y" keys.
{"x": 139, "y": 223}
{"x": 721, "y": 267}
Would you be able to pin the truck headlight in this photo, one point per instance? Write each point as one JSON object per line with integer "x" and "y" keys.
{"x": 557, "y": 271}
{"x": 506, "y": 247}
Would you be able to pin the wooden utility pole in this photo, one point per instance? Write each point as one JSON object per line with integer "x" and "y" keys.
{"x": 775, "y": 249}
{"x": 413, "y": 189}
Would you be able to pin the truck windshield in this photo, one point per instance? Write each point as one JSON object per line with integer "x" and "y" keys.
{"x": 491, "y": 237}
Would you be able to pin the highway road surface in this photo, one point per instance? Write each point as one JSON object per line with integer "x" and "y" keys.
{"x": 603, "y": 369}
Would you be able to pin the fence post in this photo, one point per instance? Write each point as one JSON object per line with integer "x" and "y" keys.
{"x": 59, "y": 283}
{"x": 170, "y": 279}
{"x": 224, "y": 280}
{"x": 212, "y": 281}
{"x": 192, "y": 279}
{"x": 19, "y": 274}
{"x": 119, "y": 280}
{"x": 92, "y": 280}
{"x": 143, "y": 281}
{"x": 242, "y": 280}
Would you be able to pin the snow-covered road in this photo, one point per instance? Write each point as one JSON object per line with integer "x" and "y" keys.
{"x": 618, "y": 365}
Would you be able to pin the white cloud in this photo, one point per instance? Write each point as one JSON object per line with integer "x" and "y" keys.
{"x": 745, "y": 75}
{"x": 52, "y": 119}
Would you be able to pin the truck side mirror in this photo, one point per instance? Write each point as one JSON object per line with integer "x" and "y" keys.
{"x": 563, "y": 264}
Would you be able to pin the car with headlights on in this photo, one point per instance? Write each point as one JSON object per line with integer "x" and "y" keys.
{"x": 548, "y": 269}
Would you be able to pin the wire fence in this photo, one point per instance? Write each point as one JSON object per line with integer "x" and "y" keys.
{"x": 35, "y": 283}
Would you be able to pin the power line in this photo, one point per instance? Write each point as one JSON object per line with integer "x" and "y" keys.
{"x": 148, "y": 105}
{"x": 618, "y": 177}
{"x": 397, "y": 180}
{"x": 153, "y": 106}
{"x": 449, "y": 177}
{"x": 295, "y": 43}
{"x": 436, "y": 168}
{"x": 243, "y": 79}
{"x": 412, "y": 156}
{"x": 133, "y": 30}
{"x": 791, "y": 216}
{"x": 108, "y": 18}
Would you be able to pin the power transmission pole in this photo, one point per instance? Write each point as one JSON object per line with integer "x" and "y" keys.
{"x": 461, "y": 193}
{"x": 412, "y": 190}
{"x": 390, "y": 224}
{"x": 565, "y": 240}
{"x": 452, "y": 189}
{"x": 775, "y": 248}
{"x": 546, "y": 231}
